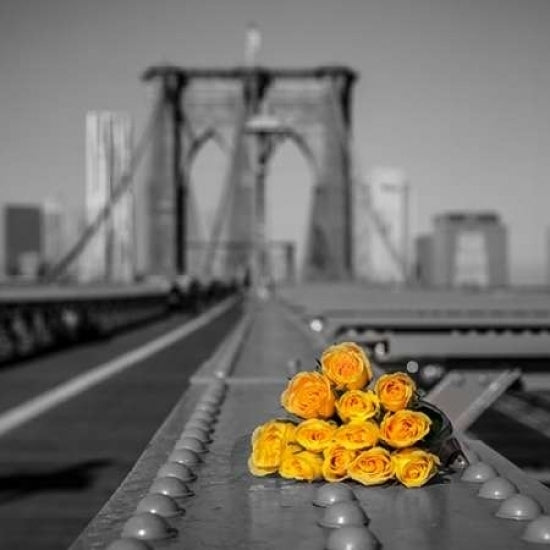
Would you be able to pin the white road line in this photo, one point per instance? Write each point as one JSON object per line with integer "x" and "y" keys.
{"x": 15, "y": 417}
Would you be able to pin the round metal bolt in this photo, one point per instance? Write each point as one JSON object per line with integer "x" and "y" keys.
{"x": 197, "y": 433}
{"x": 217, "y": 386}
{"x": 538, "y": 531}
{"x": 345, "y": 513}
{"x": 200, "y": 424}
{"x": 213, "y": 398}
{"x": 191, "y": 443}
{"x": 177, "y": 470}
{"x": 129, "y": 544}
{"x": 184, "y": 456}
{"x": 147, "y": 526}
{"x": 171, "y": 487}
{"x": 210, "y": 408}
{"x": 160, "y": 504}
{"x": 316, "y": 325}
{"x": 519, "y": 507}
{"x": 412, "y": 367}
{"x": 203, "y": 416}
{"x": 351, "y": 538}
{"x": 217, "y": 394}
{"x": 498, "y": 488}
{"x": 460, "y": 463}
{"x": 478, "y": 473}
{"x": 330, "y": 493}
{"x": 209, "y": 404}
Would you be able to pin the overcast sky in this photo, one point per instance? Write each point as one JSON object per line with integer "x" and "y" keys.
{"x": 454, "y": 92}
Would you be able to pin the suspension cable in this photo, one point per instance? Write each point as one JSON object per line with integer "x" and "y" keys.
{"x": 227, "y": 197}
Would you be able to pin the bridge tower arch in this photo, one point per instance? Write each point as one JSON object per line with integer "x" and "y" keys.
{"x": 198, "y": 103}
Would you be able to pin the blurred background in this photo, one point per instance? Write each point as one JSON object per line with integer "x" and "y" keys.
{"x": 451, "y": 99}
{"x": 379, "y": 168}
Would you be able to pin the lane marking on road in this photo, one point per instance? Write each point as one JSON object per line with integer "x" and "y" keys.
{"x": 19, "y": 415}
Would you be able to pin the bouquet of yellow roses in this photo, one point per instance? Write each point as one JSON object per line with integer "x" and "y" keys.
{"x": 350, "y": 426}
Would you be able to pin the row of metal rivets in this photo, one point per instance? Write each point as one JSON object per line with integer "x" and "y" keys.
{"x": 170, "y": 488}
{"x": 515, "y": 505}
{"x": 344, "y": 521}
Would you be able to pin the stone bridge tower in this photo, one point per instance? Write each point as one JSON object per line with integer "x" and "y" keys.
{"x": 197, "y": 105}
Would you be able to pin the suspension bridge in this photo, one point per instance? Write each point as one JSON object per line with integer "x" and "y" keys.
{"x": 94, "y": 412}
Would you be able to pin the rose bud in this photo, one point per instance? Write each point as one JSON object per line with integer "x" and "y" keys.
{"x": 404, "y": 428}
{"x": 395, "y": 390}
{"x": 315, "y": 434}
{"x": 309, "y": 395}
{"x": 336, "y": 461}
{"x": 346, "y": 366}
{"x": 357, "y": 405}
{"x": 414, "y": 467}
{"x": 372, "y": 467}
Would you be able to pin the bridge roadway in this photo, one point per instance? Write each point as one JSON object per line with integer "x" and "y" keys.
{"x": 232, "y": 509}
{"x": 59, "y": 465}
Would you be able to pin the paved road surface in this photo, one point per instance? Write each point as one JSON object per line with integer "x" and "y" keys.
{"x": 59, "y": 469}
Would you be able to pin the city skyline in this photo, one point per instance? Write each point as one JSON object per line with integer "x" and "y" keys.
{"x": 455, "y": 93}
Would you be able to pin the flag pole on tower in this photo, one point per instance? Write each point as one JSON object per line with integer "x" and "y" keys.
{"x": 253, "y": 43}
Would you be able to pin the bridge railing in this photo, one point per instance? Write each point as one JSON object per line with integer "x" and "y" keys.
{"x": 38, "y": 319}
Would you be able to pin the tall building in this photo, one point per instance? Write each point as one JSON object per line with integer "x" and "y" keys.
{"x": 54, "y": 236}
{"x": 469, "y": 249}
{"x": 23, "y": 230}
{"x": 389, "y": 225}
{"x": 110, "y": 254}
{"x": 362, "y": 231}
{"x": 34, "y": 238}
{"x": 424, "y": 260}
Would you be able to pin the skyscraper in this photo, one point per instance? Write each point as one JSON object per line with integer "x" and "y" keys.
{"x": 469, "y": 249}
{"x": 34, "y": 238}
{"x": 54, "y": 237}
{"x": 23, "y": 240}
{"x": 388, "y": 219}
{"x": 110, "y": 254}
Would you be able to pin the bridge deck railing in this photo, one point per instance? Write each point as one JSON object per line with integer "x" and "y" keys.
{"x": 37, "y": 319}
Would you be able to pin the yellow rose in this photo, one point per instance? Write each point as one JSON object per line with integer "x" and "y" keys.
{"x": 302, "y": 465}
{"x": 309, "y": 395}
{"x": 357, "y": 435}
{"x": 268, "y": 444}
{"x": 414, "y": 467}
{"x": 315, "y": 434}
{"x": 395, "y": 390}
{"x": 372, "y": 467}
{"x": 404, "y": 428}
{"x": 357, "y": 405}
{"x": 336, "y": 461}
{"x": 346, "y": 366}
